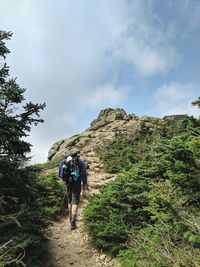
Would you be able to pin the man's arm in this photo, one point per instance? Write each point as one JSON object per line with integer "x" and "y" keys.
{"x": 83, "y": 174}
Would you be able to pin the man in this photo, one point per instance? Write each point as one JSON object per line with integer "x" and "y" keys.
{"x": 78, "y": 176}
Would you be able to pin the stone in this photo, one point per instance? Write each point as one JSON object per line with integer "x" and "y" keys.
{"x": 106, "y": 116}
{"x": 128, "y": 117}
{"x": 70, "y": 142}
{"x": 55, "y": 147}
{"x": 103, "y": 257}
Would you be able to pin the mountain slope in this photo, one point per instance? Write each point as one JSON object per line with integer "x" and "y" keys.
{"x": 149, "y": 213}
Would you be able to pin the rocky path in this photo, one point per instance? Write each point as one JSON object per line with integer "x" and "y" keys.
{"x": 72, "y": 248}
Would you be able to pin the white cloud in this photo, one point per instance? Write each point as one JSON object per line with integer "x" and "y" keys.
{"x": 144, "y": 42}
{"x": 145, "y": 59}
{"x": 175, "y": 98}
{"x": 43, "y": 138}
{"x": 187, "y": 17}
{"x": 61, "y": 50}
{"x": 106, "y": 96}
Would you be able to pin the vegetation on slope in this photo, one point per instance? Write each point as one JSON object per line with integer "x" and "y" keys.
{"x": 149, "y": 216}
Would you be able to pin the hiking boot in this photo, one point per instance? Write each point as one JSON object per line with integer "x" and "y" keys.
{"x": 73, "y": 222}
{"x": 73, "y": 225}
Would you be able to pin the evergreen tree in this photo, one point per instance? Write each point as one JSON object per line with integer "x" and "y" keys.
{"x": 196, "y": 102}
{"x": 15, "y": 120}
{"x": 18, "y": 190}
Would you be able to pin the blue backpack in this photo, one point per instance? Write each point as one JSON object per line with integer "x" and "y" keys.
{"x": 69, "y": 171}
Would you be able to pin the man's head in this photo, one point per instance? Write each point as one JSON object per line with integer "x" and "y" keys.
{"x": 75, "y": 153}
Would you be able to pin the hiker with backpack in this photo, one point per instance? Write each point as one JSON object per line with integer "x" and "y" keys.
{"x": 72, "y": 170}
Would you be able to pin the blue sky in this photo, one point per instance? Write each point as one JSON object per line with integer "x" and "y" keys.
{"x": 85, "y": 55}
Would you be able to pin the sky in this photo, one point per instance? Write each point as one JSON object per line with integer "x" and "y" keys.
{"x": 81, "y": 56}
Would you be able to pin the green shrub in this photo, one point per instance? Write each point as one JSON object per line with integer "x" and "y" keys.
{"x": 48, "y": 165}
{"x": 37, "y": 200}
{"x": 149, "y": 216}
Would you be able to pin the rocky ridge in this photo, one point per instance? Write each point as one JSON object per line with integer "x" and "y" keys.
{"x": 109, "y": 124}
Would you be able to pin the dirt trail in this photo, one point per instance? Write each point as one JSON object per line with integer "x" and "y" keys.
{"x": 72, "y": 248}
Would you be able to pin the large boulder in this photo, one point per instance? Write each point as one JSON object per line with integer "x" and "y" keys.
{"x": 58, "y": 149}
{"x": 107, "y": 116}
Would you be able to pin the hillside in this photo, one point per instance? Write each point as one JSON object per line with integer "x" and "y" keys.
{"x": 149, "y": 212}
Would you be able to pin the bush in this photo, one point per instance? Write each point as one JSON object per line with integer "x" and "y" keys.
{"x": 37, "y": 201}
{"x": 149, "y": 216}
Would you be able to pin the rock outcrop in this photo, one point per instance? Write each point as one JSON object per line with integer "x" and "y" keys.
{"x": 109, "y": 124}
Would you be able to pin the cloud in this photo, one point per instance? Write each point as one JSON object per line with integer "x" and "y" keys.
{"x": 147, "y": 60}
{"x": 144, "y": 41}
{"x": 74, "y": 56}
{"x": 176, "y": 98}
{"x": 43, "y": 139}
{"x": 106, "y": 95}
